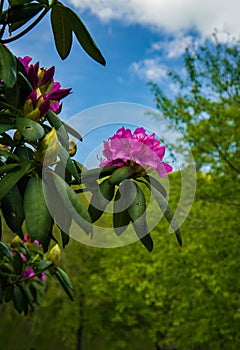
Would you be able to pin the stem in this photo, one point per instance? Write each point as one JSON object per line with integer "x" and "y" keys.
{"x": 26, "y": 30}
{"x": 1, "y": 6}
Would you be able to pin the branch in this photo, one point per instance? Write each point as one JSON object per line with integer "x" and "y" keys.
{"x": 232, "y": 166}
{"x": 26, "y": 30}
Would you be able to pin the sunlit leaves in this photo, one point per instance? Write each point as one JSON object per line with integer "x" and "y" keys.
{"x": 29, "y": 129}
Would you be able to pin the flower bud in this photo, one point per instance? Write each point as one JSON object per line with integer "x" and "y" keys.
{"x": 17, "y": 135}
{"x": 72, "y": 148}
{"x": 16, "y": 241}
{"x": 3, "y": 147}
{"x": 48, "y": 149}
{"x": 54, "y": 255}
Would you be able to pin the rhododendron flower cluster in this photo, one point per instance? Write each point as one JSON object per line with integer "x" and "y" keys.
{"x": 29, "y": 271}
{"x": 46, "y": 93}
{"x": 126, "y": 148}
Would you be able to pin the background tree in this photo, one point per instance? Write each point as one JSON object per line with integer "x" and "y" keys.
{"x": 206, "y": 108}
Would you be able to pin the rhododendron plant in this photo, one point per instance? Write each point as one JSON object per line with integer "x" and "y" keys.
{"x": 40, "y": 181}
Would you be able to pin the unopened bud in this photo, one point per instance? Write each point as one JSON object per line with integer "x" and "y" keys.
{"x": 35, "y": 115}
{"x": 72, "y": 148}
{"x": 48, "y": 149}
{"x": 16, "y": 241}
{"x": 17, "y": 135}
{"x": 54, "y": 255}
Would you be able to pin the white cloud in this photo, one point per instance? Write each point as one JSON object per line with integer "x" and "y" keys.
{"x": 176, "y": 47}
{"x": 170, "y": 15}
{"x": 149, "y": 69}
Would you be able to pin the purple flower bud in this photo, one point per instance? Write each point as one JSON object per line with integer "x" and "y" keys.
{"x": 28, "y": 273}
{"x": 46, "y": 94}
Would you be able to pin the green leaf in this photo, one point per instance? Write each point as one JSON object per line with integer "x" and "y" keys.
{"x": 19, "y": 13}
{"x": 10, "y": 179}
{"x": 8, "y": 292}
{"x": 18, "y": 2}
{"x": 147, "y": 242}
{"x": 62, "y": 30}
{"x": 59, "y": 126}
{"x": 121, "y": 218}
{"x": 30, "y": 130}
{"x": 65, "y": 238}
{"x": 56, "y": 206}
{"x": 83, "y": 36}
{"x": 72, "y": 131}
{"x": 64, "y": 281}
{"x": 154, "y": 182}
{"x": 4, "y": 251}
{"x": 27, "y": 12}
{"x": 90, "y": 177}
{"x": 7, "y": 167}
{"x": 37, "y": 217}
{"x": 100, "y": 199}
{"x": 17, "y": 263}
{"x": 169, "y": 215}
{"x": 5, "y": 127}
{"x": 12, "y": 209}
{"x": 24, "y": 153}
{"x": 8, "y": 67}
{"x": 17, "y": 299}
{"x": 8, "y": 154}
{"x": 137, "y": 213}
{"x": 41, "y": 265}
{"x": 120, "y": 174}
{"x": 72, "y": 203}
{"x": 68, "y": 163}
{"x": 28, "y": 295}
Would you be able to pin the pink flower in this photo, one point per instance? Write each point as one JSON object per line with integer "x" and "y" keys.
{"x": 46, "y": 93}
{"x": 24, "y": 258}
{"x": 43, "y": 277}
{"x": 27, "y": 239}
{"x": 28, "y": 273}
{"x": 138, "y": 147}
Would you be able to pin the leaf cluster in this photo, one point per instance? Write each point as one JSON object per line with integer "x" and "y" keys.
{"x": 206, "y": 107}
{"x": 25, "y": 289}
{"x": 64, "y": 23}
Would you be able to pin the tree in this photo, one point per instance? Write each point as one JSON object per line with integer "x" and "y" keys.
{"x": 206, "y": 107}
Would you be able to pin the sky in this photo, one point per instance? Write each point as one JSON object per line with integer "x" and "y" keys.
{"x": 141, "y": 41}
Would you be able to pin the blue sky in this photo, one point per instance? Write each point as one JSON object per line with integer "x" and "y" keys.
{"x": 140, "y": 40}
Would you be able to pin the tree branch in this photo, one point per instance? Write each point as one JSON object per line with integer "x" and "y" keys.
{"x": 26, "y": 30}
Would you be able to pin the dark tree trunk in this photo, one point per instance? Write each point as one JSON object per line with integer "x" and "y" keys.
{"x": 79, "y": 333}
{"x": 79, "y": 338}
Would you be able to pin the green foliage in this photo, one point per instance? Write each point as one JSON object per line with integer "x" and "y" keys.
{"x": 64, "y": 22}
{"x": 37, "y": 217}
{"x": 124, "y": 298}
{"x": 22, "y": 273}
{"x": 33, "y": 142}
{"x": 206, "y": 106}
